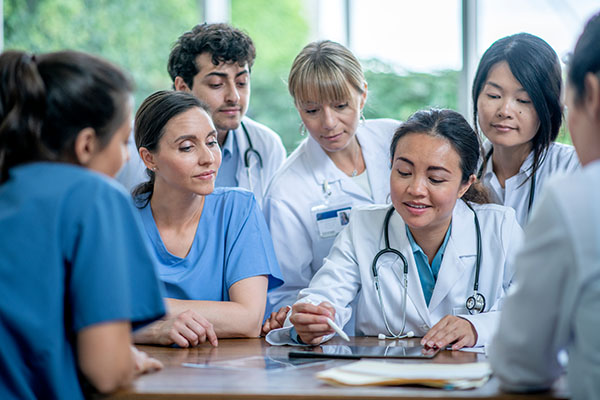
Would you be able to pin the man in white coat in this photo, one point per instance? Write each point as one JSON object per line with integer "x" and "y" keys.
{"x": 213, "y": 62}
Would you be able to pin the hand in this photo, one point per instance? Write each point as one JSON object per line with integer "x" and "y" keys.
{"x": 185, "y": 329}
{"x": 451, "y": 329}
{"x": 143, "y": 363}
{"x": 276, "y": 320}
{"x": 310, "y": 321}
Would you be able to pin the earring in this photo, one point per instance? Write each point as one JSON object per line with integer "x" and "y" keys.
{"x": 362, "y": 118}
{"x": 302, "y": 129}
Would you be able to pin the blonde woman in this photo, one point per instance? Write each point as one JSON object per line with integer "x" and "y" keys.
{"x": 341, "y": 164}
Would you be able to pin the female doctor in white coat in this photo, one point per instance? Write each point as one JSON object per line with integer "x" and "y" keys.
{"x": 343, "y": 163}
{"x": 556, "y": 304}
{"x": 517, "y": 106}
{"x": 434, "y": 224}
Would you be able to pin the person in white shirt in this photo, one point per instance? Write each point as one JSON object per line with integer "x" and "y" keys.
{"x": 556, "y": 301}
{"x": 517, "y": 106}
{"x": 213, "y": 62}
{"x": 342, "y": 163}
{"x": 457, "y": 251}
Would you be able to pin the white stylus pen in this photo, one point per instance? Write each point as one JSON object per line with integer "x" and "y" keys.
{"x": 338, "y": 330}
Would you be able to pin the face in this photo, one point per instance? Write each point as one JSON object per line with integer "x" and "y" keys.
{"x": 582, "y": 126}
{"x": 507, "y": 116}
{"x": 225, "y": 88}
{"x": 188, "y": 155}
{"x": 111, "y": 158}
{"x": 332, "y": 125}
{"x": 425, "y": 181}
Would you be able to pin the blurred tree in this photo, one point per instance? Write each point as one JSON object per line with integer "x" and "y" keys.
{"x": 135, "y": 34}
{"x": 279, "y": 30}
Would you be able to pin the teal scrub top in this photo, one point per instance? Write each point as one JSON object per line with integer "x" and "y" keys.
{"x": 232, "y": 243}
{"x": 72, "y": 254}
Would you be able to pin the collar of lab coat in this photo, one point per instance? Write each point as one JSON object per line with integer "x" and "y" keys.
{"x": 524, "y": 171}
{"x": 461, "y": 251}
{"x": 324, "y": 169}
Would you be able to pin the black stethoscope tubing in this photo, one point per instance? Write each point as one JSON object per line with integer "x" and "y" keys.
{"x": 475, "y": 303}
{"x": 250, "y": 150}
{"x": 531, "y": 185}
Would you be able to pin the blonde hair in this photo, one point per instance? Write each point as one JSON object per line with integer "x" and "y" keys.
{"x": 324, "y": 72}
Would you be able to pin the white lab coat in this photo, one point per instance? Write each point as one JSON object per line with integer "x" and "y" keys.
{"x": 555, "y": 304}
{"x": 560, "y": 159}
{"x": 268, "y": 144}
{"x": 298, "y": 187}
{"x": 347, "y": 274}
{"x": 265, "y": 141}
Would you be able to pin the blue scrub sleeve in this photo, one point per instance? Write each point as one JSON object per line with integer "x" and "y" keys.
{"x": 251, "y": 251}
{"x": 112, "y": 272}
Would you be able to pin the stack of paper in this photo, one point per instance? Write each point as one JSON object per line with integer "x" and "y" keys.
{"x": 448, "y": 376}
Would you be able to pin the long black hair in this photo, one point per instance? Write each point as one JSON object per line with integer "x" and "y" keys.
{"x": 452, "y": 126}
{"x": 46, "y": 100}
{"x": 537, "y": 68}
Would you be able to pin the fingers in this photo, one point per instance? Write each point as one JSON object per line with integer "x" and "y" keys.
{"x": 143, "y": 363}
{"x": 451, "y": 329}
{"x": 189, "y": 329}
{"x": 276, "y": 320}
{"x": 310, "y": 321}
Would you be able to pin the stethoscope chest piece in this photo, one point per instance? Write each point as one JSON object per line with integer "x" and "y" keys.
{"x": 476, "y": 303}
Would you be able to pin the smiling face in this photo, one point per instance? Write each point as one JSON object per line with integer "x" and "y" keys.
{"x": 188, "y": 155}
{"x": 225, "y": 88}
{"x": 332, "y": 124}
{"x": 425, "y": 182}
{"x": 507, "y": 116}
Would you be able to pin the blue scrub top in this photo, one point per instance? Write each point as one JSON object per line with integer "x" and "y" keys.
{"x": 72, "y": 254}
{"x": 227, "y": 175}
{"x": 232, "y": 243}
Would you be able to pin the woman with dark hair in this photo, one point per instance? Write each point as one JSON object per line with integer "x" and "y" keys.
{"x": 71, "y": 243}
{"x": 517, "y": 106}
{"x": 557, "y": 301}
{"x": 445, "y": 252}
{"x": 215, "y": 253}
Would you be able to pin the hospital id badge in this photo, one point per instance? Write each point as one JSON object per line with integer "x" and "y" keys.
{"x": 331, "y": 218}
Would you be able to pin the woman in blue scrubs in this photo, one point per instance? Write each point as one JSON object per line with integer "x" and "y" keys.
{"x": 70, "y": 240}
{"x": 215, "y": 252}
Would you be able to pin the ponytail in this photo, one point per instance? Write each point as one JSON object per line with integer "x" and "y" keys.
{"x": 22, "y": 110}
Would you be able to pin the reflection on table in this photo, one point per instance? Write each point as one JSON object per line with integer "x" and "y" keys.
{"x": 252, "y": 369}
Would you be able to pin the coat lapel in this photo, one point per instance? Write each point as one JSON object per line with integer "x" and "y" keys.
{"x": 460, "y": 254}
{"x": 399, "y": 241}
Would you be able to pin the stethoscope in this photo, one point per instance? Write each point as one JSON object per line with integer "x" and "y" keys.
{"x": 531, "y": 185}
{"x": 475, "y": 303}
{"x": 250, "y": 151}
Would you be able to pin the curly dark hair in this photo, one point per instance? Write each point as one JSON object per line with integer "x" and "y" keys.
{"x": 224, "y": 42}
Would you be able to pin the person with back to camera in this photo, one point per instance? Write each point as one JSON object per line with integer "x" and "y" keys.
{"x": 342, "y": 163}
{"x": 556, "y": 304}
{"x": 71, "y": 243}
{"x": 215, "y": 253}
{"x": 213, "y": 62}
{"x": 517, "y": 106}
{"x": 454, "y": 269}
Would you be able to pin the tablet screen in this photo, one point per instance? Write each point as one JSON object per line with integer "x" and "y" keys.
{"x": 356, "y": 352}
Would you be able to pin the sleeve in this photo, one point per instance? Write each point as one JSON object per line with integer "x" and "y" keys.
{"x": 249, "y": 247}
{"x": 340, "y": 271}
{"x": 112, "y": 272}
{"x": 293, "y": 247}
{"x": 523, "y": 353}
{"x": 512, "y": 238}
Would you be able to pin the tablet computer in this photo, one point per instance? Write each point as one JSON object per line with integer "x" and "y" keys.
{"x": 357, "y": 352}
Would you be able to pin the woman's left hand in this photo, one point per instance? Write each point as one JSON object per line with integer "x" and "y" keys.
{"x": 451, "y": 330}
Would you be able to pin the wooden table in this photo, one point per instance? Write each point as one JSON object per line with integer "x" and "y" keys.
{"x": 216, "y": 379}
